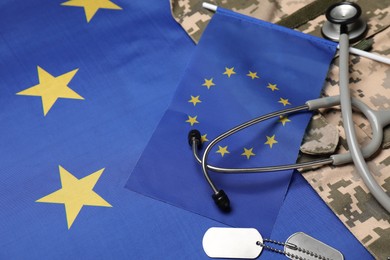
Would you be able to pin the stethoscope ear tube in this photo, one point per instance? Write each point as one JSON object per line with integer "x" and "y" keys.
{"x": 194, "y": 138}
{"x": 377, "y": 119}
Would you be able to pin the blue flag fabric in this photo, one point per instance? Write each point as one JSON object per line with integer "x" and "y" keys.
{"x": 80, "y": 95}
{"x": 125, "y": 74}
{"x": 242, "y": 68}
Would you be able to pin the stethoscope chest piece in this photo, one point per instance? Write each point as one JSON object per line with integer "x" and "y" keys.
{"x": 344, "y": 13}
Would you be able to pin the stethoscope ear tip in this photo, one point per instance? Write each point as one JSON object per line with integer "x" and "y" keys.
{"x": 194, "y": 136}
{"x": 222, "y": 200}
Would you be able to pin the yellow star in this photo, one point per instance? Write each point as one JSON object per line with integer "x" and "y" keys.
{"x": 229, "y": 71}
{"x": 284, "y": 120}
{"x": 51, "y": 88}
{"x": 194, "y": 100}
{"x": 284, "y": 101}
{"x": 208, "y": 83}
{"x": 76, "y": 193}
{"x": 272, "y": 87}
{"x": 253, "y": 75}
{"x": 271, "y": 141}
{"x": 248, "y": 153}
{"x": 192, "y": 120}
{"x": 204, "y": 138}
{"x": 92, "y": 6}
{"x": 222, "y": 150}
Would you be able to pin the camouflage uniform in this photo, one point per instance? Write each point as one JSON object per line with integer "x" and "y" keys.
{"x": 194, "y": 18}
{"x": 340, "y": 187}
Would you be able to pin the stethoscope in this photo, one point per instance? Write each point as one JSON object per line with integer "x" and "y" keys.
{"x": 343, "y": 25}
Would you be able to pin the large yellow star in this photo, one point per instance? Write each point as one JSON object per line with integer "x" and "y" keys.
{"x": 252, "y": 75}
{"x": 192, "y": 120}
{"x": 92, "y": 6}
{"x": 51, "y": 88}
{"x": 222, "y": 150}
{"x": 194, "y": 100}
{"x": 76, "y": 193}
{"x": 271, "y": 141}
{"x": 248, "y": 153}
{"x": 229, "y": 71}
{"x": 208, "y": 83}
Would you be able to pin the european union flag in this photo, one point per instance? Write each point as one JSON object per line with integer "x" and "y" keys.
{"x": 242, "y": 68}
{"x": 76, "y": 110}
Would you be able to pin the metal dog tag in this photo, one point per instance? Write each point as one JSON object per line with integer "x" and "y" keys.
{"x": 303, "y": 245}
{"x": 232, "y": 243}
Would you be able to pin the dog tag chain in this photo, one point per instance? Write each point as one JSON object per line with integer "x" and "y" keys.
{"x": 247, "y": 243}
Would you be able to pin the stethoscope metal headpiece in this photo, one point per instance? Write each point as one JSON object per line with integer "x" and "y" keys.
{"x": 344, "y": 13}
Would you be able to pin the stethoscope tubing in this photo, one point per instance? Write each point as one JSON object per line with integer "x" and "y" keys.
{"x": 247, "y": 124}
{"x": 377, "y": 119}
{"x": 314, "y": 164}
{"x": 346, "y": 111}
{"x": 237, "y": 129}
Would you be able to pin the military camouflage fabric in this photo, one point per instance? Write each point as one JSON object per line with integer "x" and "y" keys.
{"x": 194, "y": 18}
{"x": 340, "y": 187}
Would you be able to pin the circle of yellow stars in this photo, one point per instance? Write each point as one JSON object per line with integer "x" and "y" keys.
{"x": 229, "y": 72}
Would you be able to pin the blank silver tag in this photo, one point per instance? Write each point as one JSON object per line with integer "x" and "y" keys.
{"x": 232, "y": 243}
{"x": 308, "y": 243}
